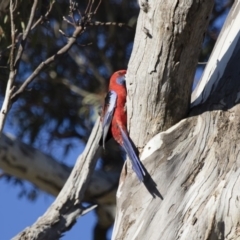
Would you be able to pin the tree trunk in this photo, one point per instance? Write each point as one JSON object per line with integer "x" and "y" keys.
{"x": 195, "y": 163}
{"x": 162, "y": 65}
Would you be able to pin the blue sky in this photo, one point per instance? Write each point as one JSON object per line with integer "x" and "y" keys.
{"x": 18, "y": 213}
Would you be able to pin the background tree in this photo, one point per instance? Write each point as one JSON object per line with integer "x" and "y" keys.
{"x": 80, "y": 78}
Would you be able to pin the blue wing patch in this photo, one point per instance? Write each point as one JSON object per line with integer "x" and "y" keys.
{"x": 136, "y": 164}
{"x": 109, "y": 107}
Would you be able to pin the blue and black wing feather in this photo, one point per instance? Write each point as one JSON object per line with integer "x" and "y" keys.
{"x": 108, "y": 111}
{"x": 136, "y": 164}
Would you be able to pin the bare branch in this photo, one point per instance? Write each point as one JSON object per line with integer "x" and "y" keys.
{"x": 40, "y": 20}
{"x": 97, "y": 6}
{"x": 71, "y": 23}
{"x": 79, "y": 29}
{"x": 71, "y": 40}
{"x": 25, "y": 34}
{"x": 67, "y": 207}
{"x": 14, "y": 62}
{"x": 63, "y": 33}
{"x": 88, "y": 8}
{"x": 9, "y": 89}
{"x": 43, "y": 17}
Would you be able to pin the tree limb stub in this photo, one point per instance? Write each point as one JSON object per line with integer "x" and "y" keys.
{"x": 62, "y": 214}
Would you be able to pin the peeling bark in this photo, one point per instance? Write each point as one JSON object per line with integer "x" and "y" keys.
{"x": 195, "y": 163}
{"x": 162, "y": 65}
{"x": 199, "y": 183}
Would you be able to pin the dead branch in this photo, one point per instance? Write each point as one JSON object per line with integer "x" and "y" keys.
{"x": 25, "y": 34}
{"x": 51, "y": 59}
{"x": 80, "y": 28}
{"x": 67, "y": 207}
{"x": 14, "y": 62}
{"x": 10, "y": 88}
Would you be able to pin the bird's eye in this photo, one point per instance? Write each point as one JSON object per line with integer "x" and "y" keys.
{"x": 121, "y": 80}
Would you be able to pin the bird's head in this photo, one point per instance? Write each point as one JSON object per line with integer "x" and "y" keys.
{"x": 118, "y": 78}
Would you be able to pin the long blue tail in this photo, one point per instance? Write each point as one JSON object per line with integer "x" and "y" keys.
{"x": 136, "y": 164}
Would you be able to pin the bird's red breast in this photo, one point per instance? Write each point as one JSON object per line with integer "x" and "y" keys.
{"x": 117, "y": 84}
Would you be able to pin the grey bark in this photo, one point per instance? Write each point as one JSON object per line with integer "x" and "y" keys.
{"x": 49, "y": 175}
{"x": 162, "y": 65}
{"x": 25, "y": 162}
{"x": 195, "y": 163}
{"x": 67, "y": 207}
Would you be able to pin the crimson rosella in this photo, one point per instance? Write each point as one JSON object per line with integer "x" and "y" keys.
{"x": 114, "y": 120}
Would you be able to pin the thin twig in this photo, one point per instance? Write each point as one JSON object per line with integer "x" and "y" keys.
{"x": 41, "y": 18}
{"x": 25, "y": 34}
{"x": 79, "y": 30}
{"x": 72, "y": 9}
{"x": 100, "y": 1}
{"x": 66, "y": 20}
{"x": 109, "y": 24}
{"x": 12, "y": 37}
{"x": 88, "y": 7}
{"x": 63, "y": 33}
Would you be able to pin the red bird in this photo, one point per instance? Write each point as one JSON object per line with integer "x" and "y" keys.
{"x": 114, "y": 120}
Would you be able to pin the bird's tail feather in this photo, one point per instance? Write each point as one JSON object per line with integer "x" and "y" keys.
{"x": 136, "y": 164}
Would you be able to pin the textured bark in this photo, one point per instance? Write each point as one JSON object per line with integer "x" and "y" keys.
{"x": 195, "y": 163}
{"x": 27, "y": 163}
{"x": 67, "y": 207}
{"x": 162, "y": 65}
{"x": 198, "y": 175}
{"x": 225, "y": 51}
